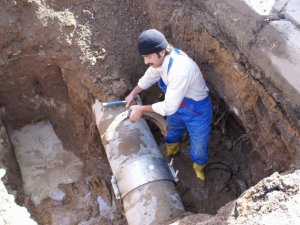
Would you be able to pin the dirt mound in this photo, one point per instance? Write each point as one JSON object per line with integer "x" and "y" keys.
{"x": 274, "y": 200}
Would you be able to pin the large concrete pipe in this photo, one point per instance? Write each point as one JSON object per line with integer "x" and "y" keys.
{"x": 142, "y": 178}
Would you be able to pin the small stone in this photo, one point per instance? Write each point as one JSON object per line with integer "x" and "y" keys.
{"x": 57, "y": 194}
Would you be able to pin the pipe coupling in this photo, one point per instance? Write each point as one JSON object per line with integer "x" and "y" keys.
{"x": 139, "y": 172}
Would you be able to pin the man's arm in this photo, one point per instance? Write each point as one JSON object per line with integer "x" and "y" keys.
{"x": 147, "y": 80}
{"x": 132, "y": 95}
{"x": 138, "y": 110}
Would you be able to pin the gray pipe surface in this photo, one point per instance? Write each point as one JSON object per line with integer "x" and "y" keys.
{"x": 144, "y": 180}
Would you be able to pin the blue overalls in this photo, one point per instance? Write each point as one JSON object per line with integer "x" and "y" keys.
{"x": 196, "y": 117}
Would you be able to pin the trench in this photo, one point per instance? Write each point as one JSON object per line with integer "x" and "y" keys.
{"x": 47, "y": 126}
{"x": 81, "y": 184}
{"x": 230, "y": 155}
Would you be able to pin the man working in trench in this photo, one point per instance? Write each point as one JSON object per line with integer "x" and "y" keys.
{"x": 186, "y": 104}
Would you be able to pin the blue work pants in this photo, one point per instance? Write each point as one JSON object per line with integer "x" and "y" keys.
{"x": 196, "y": 117}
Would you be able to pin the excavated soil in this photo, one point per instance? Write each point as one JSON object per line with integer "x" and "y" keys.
{"x": 57, "y": 57}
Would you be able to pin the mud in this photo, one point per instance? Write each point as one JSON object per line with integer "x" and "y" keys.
{"x": 132, "y": 144}
{"x": 57, "y": 57}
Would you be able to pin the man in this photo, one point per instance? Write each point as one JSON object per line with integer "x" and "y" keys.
{"x": 186, "y": 104}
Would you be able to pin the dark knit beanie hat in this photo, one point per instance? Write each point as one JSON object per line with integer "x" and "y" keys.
{"x": 151, "y": 41}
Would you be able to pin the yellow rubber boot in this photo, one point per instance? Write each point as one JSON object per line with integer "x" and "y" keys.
{"x": 172, "y": 148}
{"x": 199, "y": 169}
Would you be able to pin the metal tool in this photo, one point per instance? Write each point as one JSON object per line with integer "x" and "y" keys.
{"x": 115, "y": 103}
{"x": 157, "y": 119}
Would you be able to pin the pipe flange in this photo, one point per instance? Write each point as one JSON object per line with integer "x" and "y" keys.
{"x": 115, "y": 187}
{"x": 173, "y": 172}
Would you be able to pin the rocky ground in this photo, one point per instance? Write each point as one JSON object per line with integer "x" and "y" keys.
{"x": 274, "y": 200}
{"x": 9, "y": 209}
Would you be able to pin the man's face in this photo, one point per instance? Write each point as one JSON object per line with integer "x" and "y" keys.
{"x": 155, "y": 59}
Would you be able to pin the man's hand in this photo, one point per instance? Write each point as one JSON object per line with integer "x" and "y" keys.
{"x": 137, "y": 111}
{"x": 130, "y": 98}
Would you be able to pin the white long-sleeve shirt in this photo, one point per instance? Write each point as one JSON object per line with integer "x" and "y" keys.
{"x": 184, "y": 79}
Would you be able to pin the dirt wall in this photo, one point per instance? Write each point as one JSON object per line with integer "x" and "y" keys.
{"x": 58, "y": 56}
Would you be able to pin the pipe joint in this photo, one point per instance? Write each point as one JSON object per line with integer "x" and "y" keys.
{"x": 139, "y": 172}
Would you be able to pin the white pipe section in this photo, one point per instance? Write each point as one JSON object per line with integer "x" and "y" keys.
{"x": 143, "y": 179}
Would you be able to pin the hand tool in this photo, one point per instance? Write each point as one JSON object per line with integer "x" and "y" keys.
{"x": 115, "y": 103}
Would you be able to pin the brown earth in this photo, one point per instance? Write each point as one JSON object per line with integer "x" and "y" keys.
{"x": 58, "y": 56}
